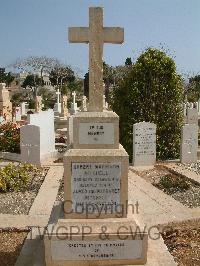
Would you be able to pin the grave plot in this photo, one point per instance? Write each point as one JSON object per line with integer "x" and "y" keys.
{"x": 181, "y": 188}
{"x": 19, "y": 186}
{"x": 183, "y": 242}
{"x": 11, "y": 242}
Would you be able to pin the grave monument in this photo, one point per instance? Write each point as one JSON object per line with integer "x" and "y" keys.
{"x": 5, "y": 103}
{"x": 95, "y": 176}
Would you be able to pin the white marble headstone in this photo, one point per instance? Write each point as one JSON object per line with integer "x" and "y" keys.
{"x": 189, "y": 143}
{"x": 144, "y": 144}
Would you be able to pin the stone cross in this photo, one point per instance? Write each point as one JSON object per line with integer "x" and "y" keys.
{"x": 96, "y": 35}
{"x": 74, "y": 97}
{"x": 58, "y": 96}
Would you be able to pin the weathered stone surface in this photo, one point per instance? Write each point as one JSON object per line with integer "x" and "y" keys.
{"x": 144, "y": 144}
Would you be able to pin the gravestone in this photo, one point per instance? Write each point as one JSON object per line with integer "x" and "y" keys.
{"x": 23, "y": 108}
{"x": 5, "y": 103}
{"x": 57, "y": 106}
{"x": 95, "y": 175}
{"x": 45, "y": 121}
{"x": 84, "y": 104}
{"x": 144, "y": 144}
{"x": 192, "y": 116}
{"x": 17, "y": 114}
{"x": 38, "y": 104}
{"x": 74, "y": 107}
{"x": 64, "y": 109}
{"x": 189, "y": 143}
{"x": 30, "y": 144}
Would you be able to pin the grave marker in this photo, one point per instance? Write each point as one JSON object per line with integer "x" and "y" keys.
{"x": 144, "y": 144}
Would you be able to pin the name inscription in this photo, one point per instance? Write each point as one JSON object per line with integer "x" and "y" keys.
{"x": 96, "y": 133}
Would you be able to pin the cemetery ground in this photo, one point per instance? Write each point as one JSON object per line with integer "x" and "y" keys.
{"x": 175, "y": 212}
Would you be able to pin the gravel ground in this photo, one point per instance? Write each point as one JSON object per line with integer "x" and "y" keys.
{"x": 183, "y": 242}
{"x": 20, "y": 202}
{"x": 195, "y": 167}
{"x": 188, "y": 197}
{"x": 11, "y": 243}
{"x": 60, "y": 195}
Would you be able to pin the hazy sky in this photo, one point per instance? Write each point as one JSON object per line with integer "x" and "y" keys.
{"x": 39, "y": 27}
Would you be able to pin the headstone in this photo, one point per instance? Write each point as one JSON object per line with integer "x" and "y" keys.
{"x": 17, "y": 114}
{"x": 74, "y": 107}
{"x": 57, "y": 106}
{"x": 38, "y": 104}
{"x": 45, "y": 121}
{"x": 30, "y": 144}
{"x": 192, "y": 116}
{"x": 5, "y": 103}
{"x": 189, "y": 143}
{"x": 23, "y": 108}
{"x": 64, "y": 109}
{"x": 84, "y": 104}
{"x": 144, "y": 144}
{"x": 95, "y": 175}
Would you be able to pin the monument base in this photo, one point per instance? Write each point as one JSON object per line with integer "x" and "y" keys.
{"x": 95, "y": 242}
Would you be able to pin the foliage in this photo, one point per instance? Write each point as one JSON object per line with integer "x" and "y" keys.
{"x": 151, "y": 91}
{"x": 61, "y": 75}
{"x": 32, "y": 81}
{"x": 128, "y": 61}
{"x": 86, "y": 85}
{"x": 36, "y": 64}
{"x": 15, "y": 177}
{"x": 193, "y": 89}
{"x": 48, "y": 98}
{"x": 76, "y": 85}
{"x": 18, "y": 98}
{"x": 9, "y": 138}
{"x": 172, "y": 183}
{"x": 7, "y": 78}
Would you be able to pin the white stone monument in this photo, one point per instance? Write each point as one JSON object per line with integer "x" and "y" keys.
{"x": 23, "y": 108}
{"x": 95, "y": 175}
{"x": 17, "y": 114}
{"x": 44, "y": 120}
{"x": 5, "y": 103}
{"x": 189, "y": 143}
{"x": 57, "y": 106}
{"x": 144, "y": 144}
{"x": 74, "y": 108}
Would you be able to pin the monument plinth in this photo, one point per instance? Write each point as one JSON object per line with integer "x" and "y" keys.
{"x": 95, "y": 176}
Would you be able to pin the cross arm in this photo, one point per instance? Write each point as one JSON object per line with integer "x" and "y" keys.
{"x": 78, "y": 34}
{"x": 113, "y": 35}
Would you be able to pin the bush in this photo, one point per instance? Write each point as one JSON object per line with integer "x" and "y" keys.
{"x": 151, "y": 91}
{"x": 9, "y": 138}
{"x": 15, "y": 177}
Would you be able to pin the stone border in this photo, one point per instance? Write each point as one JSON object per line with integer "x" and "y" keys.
{"x": 10, "y": 156}
{"x": 41, "y": 208}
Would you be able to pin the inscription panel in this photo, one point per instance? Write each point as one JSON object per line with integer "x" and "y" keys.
{"x": 96, "y": 250}
{"x": 96, "y": 184}
{"x": 144, "y": 144}
{"x": 96, "y": 133}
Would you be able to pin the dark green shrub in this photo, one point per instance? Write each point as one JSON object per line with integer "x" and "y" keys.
{"x": 152, "y": 91}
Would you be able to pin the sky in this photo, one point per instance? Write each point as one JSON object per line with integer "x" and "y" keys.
{"x": 39, "y": 27}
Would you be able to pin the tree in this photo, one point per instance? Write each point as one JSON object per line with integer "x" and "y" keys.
{"x": 48, "y": 98}
{"x": 37, "y": 64}
{"x": 193, "y": 89}
{"x": 151, "y": 91}
{"x": 7, "y": 78}
{"x": 86, "y": 85}
{"x": 128, "y": 61}
{"x": 61, "y": 75}
{"x": 18, "y": 98}
{"x": 32, "y": 81}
